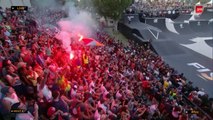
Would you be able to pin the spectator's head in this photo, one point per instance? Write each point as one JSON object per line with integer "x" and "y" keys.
{"x": 21, "y": 65}
{"x": 40, "y": 52}
{"x": 7, "y": 90}
{"x": 10, "y": 69}
{"x": 75, "y": 87}
{"x": 23, "y": 48}
{"x": 40, "y": 95}
{"x": 56, "y": 94}
{"x": 51, "y": 111}
{"x": 40, "y": 79}
{"x": 6, "y": 62}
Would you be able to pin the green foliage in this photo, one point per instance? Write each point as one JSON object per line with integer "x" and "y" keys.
{"x": 111, "y": 8}
{"x": 84, "y": 3}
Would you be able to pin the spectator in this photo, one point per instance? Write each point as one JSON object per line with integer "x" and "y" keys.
{"x": 109, "y": 82}
{"x": 14, "y": 80}
{"x": 61, "y": 105}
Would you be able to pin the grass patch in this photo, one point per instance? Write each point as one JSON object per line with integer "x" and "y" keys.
{"x": 117, "y": 35}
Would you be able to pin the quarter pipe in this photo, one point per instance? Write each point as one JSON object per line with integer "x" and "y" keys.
{"x": 182, "y": 28}
{"x": 157, "y": 22}
{"x": 182, "y": 18}
{"x": 200, "y": 25}
{"x": 206, "y": 15}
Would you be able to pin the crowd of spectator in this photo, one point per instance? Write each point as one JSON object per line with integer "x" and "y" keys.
{"x": 159, "y": 8}
{"x": 40, "y": 15}
{"x": 39, "y": 81}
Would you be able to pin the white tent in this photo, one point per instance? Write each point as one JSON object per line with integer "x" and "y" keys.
{"x": 198, "y": 3}
{"x": 210, "y": 2}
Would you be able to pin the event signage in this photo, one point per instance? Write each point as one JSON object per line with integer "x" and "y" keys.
{"x": 204, "y": 72}
{"x": 201, "y": 47}
{"x": 198, "y": 9}
{"x": 19, "y": 8}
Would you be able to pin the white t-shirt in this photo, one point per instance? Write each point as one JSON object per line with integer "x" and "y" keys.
{"x": 24, "y": 116}
{"x": 73, "y": 93}
{"x": 92, "y": 84}
{"x": 103, "y": 89}
{"x": 7, "y": 33}
{"x": 152, "y": 109}
{"x": 12, "y": 101}
{"x": 201, "y": 93}
{"x": 45, "y": 91}
{"x": 118, "y": 95}
{"x": 104, "y": 108}
{"x": 97, "y": 116}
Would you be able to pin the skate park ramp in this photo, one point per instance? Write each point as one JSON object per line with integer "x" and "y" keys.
{"x": 209, "y": 42}
{"x": 206, "y": 15}
{"x": 151, "y": 34}
{"x": 168, "y": 48}
{"x": 201, "y": 25}
{"x": 190, "y": 27}
{"x": 182, "y": 18}
{"x": 184, "y": 51}
{"x": 145, "y": 31}
{"x": 157, "y": 22}
{"x": 132, "y": 17}
{"x": 182, "y": 28}
{"x": 192, "y": 46}
{"x": 169, "y": 26}
{"x": 137, "y": 29}
{"x": 184, "y": 46}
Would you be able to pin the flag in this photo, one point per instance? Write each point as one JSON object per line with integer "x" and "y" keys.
{"x": 64, "y": 84}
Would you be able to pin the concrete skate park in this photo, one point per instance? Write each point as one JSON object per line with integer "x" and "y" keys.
{"x": 185, "y": 43}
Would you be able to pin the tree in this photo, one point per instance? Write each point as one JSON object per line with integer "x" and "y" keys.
{"x": 111, "y": 8}
{"x": 84, "y": 3}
